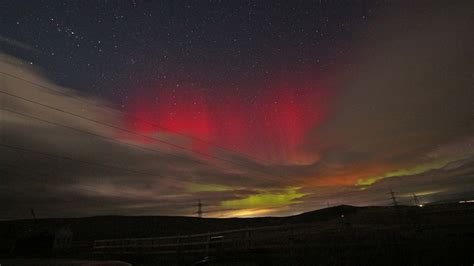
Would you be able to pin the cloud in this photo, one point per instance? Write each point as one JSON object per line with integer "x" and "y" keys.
{"x": 4, "y": 41}
{"x": 80, "y": 167}
{"x": 452, "y": 182}
{"x": 407, "y": 93}
{"x": 402, "y": 120}
{"x": 52, "y": 184}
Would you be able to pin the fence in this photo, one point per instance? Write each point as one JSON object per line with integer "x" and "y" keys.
{"x": 270, "y": 237}
{"x": 206, "y": 243}
{"x": 281, "y": 238}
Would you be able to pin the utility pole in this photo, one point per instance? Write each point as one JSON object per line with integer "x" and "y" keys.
{"x": 394, "y": 199}
{"x": 33, "y": 214}
{"x": 199, "y": 211}
{"x": 32, "y": 211}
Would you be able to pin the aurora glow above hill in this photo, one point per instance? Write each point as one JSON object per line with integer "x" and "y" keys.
{"x": 255, "y": 108}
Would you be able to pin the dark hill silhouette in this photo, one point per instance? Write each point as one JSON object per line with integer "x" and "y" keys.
{"x": 337, "y": 230}
{"x": 326, "y": 214}
{"x": 104, "y": 227}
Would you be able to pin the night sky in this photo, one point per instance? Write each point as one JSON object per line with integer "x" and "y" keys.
{"x": 253, "y": 107}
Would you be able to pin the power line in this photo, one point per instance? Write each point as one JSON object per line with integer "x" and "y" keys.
{"x": 128, "y": 131}
{"x": 99, "y": 136}
{"x": 50, "y": 155}
{"x": 108, "y": 138}
{"x": 140, "y": 119}
{"x": 94, "y": 134}
{"x": 272, "y": 174}
{"x": 104, "y": 137}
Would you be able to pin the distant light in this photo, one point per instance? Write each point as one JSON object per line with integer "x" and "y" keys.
{"x": 342, "y": 216}
{"x": 421, "y": 205}
{"x": 466, "y": 201}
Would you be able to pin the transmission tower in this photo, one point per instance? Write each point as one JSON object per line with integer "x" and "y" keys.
{"x": 416, "y": 200}
{"x": 394, "y": 199}
{"x": 199, "y": 211}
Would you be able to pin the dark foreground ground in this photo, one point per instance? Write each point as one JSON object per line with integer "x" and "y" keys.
{"x": 343, "y": 235}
